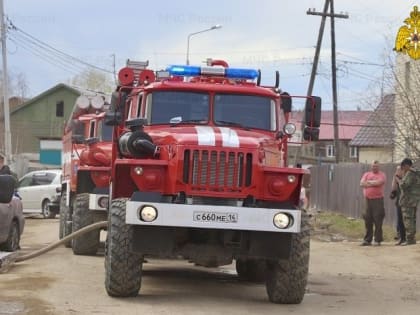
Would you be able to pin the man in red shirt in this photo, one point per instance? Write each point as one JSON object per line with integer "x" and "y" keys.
{"x": 373, "y": 183}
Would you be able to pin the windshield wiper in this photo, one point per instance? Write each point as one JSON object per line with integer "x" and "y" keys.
{"x": 230, "y": 123}
{"x": 189, "y": 121}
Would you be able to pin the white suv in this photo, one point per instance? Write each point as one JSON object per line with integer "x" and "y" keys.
{"x": 40, "y": 192}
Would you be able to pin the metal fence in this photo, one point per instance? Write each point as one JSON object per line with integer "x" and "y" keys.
{"x": 336, "y": 188}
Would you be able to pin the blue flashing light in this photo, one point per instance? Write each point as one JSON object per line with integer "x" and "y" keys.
{"x": 232, "y": 73}
{"x": 237, "y": 73}
{"x": 184, "y": 70}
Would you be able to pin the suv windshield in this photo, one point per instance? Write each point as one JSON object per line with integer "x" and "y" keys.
{"x": 176, "y": 107}
{"x": 248, "y": 111}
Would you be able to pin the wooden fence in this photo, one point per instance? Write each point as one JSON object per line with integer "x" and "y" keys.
{"x": 336, "y": 188}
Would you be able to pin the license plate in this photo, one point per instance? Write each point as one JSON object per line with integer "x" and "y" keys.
{"x": 219, "y": 217}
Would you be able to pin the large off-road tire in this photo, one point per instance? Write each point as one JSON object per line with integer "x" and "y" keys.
{"x": 12, "y": 242}
{"x": 251, "y": 270}
{"x": 88, "y": 243}
{"x": 63, "y": 230}
{"x": 286, "y": 278}
{"x": 123, "y": 268}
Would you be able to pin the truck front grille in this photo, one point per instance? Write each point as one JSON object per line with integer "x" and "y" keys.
{"x": 217, "y": 171}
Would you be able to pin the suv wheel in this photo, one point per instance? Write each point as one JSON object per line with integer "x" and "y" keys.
{"x": 46, "y": 212}
{"x": 12, "y": 242}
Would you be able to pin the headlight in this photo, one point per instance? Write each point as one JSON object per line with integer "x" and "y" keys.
{"x": 282, "y": 220}
{"x": 291, "y": 178}
{"x": 289, "y": 129}
{"x": 148, "y": 213}
{"x": 103, "y": 202}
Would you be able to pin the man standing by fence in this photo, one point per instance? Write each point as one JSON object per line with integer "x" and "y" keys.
{"x": 373, "y": 183}
{"x": 410, "y": 197}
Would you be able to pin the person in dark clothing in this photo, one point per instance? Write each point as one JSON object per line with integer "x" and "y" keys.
{"x": 4, "y": 169}
{"x": 396, "y": 194}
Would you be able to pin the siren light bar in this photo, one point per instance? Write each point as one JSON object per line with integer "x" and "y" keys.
{"x": 232, "y": 73}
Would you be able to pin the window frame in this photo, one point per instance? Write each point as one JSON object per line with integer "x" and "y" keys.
{"x": 328, "y": 149}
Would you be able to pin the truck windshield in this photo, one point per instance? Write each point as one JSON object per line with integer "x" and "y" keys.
{"x": 173, "y": 107}
{"x": 105, "y": 132}
{"x": 248, "y": 111}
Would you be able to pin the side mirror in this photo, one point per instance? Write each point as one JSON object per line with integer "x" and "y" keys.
{"x": 286, "y": 102}
{"x": 114, "y": 116}
{"x": 7, "y": 188}
{"x": 78, "y": 139}
{"x": 310, "y": 134}
{"x": 313, "y": 112}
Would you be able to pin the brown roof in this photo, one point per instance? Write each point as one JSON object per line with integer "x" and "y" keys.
{"x": 349, "y": 123}
{"x": 379, "y": 128}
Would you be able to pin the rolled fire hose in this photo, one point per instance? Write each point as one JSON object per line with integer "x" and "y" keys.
{"x": 86, "y": 229}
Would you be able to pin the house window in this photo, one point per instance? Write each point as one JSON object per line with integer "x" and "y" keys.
{"x": 59, "y": 109}
{"x": 353, "y": 152}
{"x": 330, "y": 152}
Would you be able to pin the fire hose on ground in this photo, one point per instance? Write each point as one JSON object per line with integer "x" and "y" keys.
{"x": 14, "y": 257}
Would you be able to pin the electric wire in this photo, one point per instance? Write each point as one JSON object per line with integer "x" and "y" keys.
{"x": 47, "y": 58}
{"x": 12, "y": 28}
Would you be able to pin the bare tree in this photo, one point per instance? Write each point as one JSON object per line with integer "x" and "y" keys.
{"x": 20, "y": 86}
{"x": 407, "y": 110}
{"x": 399, "y": 121}
{"x": 94, "y": 80}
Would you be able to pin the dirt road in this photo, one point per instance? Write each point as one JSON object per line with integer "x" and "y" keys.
{"x": 344, "y": 279}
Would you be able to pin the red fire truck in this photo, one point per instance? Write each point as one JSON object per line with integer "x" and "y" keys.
{"x": 87, "y": 145}
{"x": 200, "y": 171}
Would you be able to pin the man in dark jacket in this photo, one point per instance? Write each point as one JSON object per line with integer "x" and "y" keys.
{"x": 5, "y": 170}
{"x": 410, "y": 198}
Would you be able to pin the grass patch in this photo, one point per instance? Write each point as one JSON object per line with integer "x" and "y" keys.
{"x": 349, "y": 228}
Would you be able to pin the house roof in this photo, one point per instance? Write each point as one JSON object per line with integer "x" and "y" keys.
{"x": 45, "y": 93}
{"x": 378, "y": 130}
{"x": 349, "y": 123}
{"x": 76, "y": 90}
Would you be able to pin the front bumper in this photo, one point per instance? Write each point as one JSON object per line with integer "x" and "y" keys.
{"x": 213, "y": 217}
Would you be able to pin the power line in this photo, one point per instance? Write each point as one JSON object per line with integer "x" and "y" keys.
{"x": 361, "y": 63}
{"x": 52, "y": 49}
{"x": 47, "y": 58}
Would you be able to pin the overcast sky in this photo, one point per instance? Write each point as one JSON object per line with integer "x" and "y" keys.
{"x": 265, "y": 34}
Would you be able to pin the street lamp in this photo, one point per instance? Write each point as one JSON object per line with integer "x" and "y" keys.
{"x": 214, "y": 27}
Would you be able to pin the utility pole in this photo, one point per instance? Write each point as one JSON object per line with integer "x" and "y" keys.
{"x": 114, "y": 70}
{"x": 7, "y": 135}
{"x": 318, "y": 45}
{"x": 332, "y": 16}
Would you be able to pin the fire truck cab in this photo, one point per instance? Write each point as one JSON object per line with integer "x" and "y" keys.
{"x": 200, "y": 171}
{"x": 87, "y": 149}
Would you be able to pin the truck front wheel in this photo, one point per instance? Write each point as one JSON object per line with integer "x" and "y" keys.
{"x": 123, "y": 268}
{"x": 64, "y": 217}
{"x": 286, "y": 278}
{"x": 88, "y": 243}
